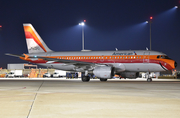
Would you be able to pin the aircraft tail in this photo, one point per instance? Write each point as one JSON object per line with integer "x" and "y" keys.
{"x": 34, "y": 42}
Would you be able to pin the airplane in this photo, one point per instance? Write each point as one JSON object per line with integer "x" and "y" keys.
{"x": 103, "y": 64}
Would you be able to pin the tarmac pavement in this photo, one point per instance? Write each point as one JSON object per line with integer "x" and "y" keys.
{"x": 71, "y": 98}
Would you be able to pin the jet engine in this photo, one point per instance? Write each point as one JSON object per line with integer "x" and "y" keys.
{"x": 105, "y": 72}
{"x": 129, "y": 74}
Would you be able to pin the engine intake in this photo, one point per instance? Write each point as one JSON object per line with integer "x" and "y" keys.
{"x": 105, "y": 72}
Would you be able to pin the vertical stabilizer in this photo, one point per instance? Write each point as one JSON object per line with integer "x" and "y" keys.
{"x": 34, "y": 42}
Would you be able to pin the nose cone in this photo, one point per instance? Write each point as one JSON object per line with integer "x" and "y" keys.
{"x": 175, "y": 64}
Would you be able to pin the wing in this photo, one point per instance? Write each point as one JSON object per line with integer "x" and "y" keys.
{"x": 78, "y": 64}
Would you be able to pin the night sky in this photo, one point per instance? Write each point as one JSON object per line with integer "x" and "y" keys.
{"x": 110, "y": 24}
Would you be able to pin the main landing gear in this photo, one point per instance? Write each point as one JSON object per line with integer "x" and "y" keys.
{"x": 103, "y": 80}
{"x": 85, "y": 78}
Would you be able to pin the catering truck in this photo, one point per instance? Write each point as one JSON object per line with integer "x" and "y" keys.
{"x": 14, "y": 73}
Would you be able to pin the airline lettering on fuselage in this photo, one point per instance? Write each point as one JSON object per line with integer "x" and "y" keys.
{"x": 34, "y": 48}
{"x": 122, "y": 53}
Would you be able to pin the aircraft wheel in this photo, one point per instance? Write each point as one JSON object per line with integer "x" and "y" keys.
{"x": 149, "y": 79}
{"x": 85, "y": 78}
{"x": 103, "y": 80}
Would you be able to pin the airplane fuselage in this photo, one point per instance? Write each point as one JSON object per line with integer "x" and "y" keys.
{"x": 132, "y": 61}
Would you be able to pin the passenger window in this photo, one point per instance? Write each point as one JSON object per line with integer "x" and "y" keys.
{"x": 158, "y": 56}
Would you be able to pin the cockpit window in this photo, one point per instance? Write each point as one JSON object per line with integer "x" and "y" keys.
{"x": 163, "y": 57}
{"x": 166, "y": 57}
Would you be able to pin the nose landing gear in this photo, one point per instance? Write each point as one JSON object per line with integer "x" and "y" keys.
{"x": 149, "y": 79}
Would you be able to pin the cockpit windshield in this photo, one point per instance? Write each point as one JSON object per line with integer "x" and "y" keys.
{"x": 163, "y": 57}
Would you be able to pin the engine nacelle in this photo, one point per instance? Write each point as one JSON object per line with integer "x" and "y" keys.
{"x": 129, "y": 74}
{"x": 105, "y": 72}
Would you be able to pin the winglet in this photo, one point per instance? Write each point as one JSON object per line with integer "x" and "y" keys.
{"x": 26, "y": 56}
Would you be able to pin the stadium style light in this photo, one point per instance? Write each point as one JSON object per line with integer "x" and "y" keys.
{"x": 150, "y": 22}
{"x": 82, "y": 24}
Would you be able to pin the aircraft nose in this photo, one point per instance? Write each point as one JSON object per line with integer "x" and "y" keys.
{"x": 175, "y": 64}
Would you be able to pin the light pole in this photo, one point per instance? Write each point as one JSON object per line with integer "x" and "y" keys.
{"x": 82, "y": 24}
{"x": 150, "y": 22}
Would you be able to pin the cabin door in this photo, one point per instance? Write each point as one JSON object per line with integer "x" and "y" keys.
{"x": 146, "y": 57}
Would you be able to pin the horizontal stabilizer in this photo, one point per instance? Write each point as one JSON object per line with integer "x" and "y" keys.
{"x": 14, "y": 55}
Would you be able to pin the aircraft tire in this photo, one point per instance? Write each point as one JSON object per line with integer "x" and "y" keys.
{"x": 103, "y": 80}
{"x": 149, "y": 80}
{"x": 85, "y": 78}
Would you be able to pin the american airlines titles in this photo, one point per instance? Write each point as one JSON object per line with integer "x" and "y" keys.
{"x": 115, "y": 53}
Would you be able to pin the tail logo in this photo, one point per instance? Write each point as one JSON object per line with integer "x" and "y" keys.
{"x": 34, "y": 48}
{"x": 34, "y": 42}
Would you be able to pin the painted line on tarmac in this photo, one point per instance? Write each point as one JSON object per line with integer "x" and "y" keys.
{"x": 13, "y": 89}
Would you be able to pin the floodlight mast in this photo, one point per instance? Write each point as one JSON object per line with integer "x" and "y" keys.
{"x": 150, "y": 22}
{"x": 82, "y": 24}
